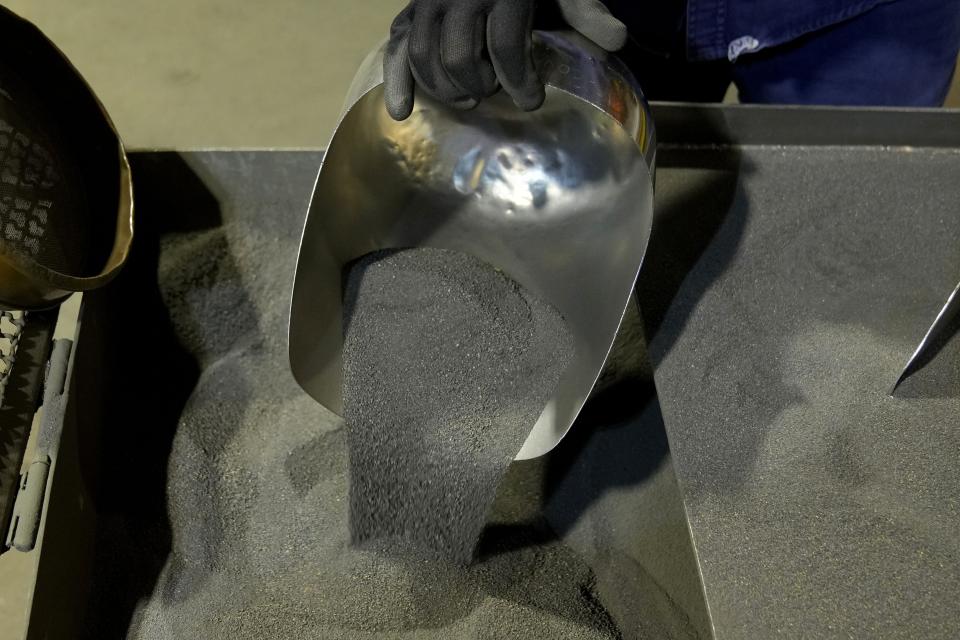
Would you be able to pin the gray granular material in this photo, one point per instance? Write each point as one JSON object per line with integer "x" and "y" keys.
{"x": 820, "y": 506}
{"x": 258, "y": 483}
{"x": 447, "y": 366}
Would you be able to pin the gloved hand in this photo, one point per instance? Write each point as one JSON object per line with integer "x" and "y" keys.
{"x": 461, "y": 51}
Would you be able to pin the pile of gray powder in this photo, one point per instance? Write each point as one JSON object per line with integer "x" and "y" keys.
{"x": 260, "y": 494}
{"x": 447, "y": 366}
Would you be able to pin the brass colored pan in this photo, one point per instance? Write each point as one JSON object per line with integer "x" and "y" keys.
{"x": 66, "y": 201}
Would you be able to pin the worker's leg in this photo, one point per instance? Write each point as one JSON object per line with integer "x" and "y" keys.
{"x": 656, "y": 50}
{"x": 899, "y": 54}
{"x": 673, "y": 78}
{"x": 656, "y": 53}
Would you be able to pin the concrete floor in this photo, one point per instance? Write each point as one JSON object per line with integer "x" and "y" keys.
{"x": 210, "y": 73}
{"x": 217, "y": 73}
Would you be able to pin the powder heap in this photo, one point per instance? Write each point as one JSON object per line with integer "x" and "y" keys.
{"x": 258, "y": 488}
{"x": 447, "y": 366}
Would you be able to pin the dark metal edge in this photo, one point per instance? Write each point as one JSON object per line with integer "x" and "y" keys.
{"x": 688, "y": 124}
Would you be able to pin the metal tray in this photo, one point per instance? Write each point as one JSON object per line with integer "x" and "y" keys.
{"x": 798, "y": 257}
{"x": 798, "y": 539}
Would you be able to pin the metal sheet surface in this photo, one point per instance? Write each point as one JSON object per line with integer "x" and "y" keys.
{"x": 783, "y": 290}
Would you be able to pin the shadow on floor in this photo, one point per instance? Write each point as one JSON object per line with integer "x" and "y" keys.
{"x": 133, "y": 383}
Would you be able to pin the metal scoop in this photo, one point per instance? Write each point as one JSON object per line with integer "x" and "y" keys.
{"x": 560, "y": 199}
{"x": 944, "y": 326}
{"x": 66, "y": 203}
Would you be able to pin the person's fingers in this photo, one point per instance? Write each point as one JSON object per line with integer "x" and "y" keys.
{"x": 594, "y": 20}
{"x": 425, "y": 57}
{"x": 463, "y": 46}
{"x": 508, "y": 41}
{"x": 398, "y": 86}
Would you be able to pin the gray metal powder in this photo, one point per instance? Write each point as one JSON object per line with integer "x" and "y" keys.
{"x": 257, "y": 488}
{"x": 260, "y": 477}
{"x": 447, "y": 366}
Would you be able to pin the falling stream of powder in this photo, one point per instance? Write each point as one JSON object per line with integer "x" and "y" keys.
{"x": 447, "y": 366}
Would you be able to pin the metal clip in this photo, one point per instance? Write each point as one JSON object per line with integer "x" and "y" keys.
{"x": 25, "y": 522}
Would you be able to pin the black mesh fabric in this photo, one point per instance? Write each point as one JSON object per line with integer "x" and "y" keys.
{"x": 33, "y": 194}
{"x": 59, "y": 164}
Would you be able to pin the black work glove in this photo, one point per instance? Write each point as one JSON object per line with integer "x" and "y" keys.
{"x": 461, "y": 51}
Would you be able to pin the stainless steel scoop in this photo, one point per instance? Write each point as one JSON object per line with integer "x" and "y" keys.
{"x": 560, "y": 199}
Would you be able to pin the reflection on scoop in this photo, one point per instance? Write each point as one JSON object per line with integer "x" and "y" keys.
{"x": 559, "y": 199}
